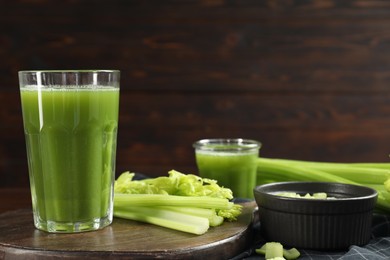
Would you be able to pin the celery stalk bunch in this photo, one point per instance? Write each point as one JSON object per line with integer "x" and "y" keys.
{"x": 374, "y": 175}
{"x": 183, "y": 202}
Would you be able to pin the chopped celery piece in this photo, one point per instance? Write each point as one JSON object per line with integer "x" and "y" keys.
{"x": 261, "y": 250}
{"x": 317, "y": 195}
{"x": 288, "y": 194}
{"x": 320, "y": 195}
{"x": 273, "y": 249}
{"x": 289, "y": 254}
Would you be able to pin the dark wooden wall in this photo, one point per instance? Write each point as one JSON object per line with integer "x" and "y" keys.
{"x": 309, "y": 79}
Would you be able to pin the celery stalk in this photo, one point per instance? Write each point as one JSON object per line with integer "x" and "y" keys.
{"x": 179, "y": 201}
{"x": 357, "y": 172}
{"x": 275, "y": 170}
{"x": 210, "y": 214}
{"x": 165, "y": 218}
{"x": 122, "y": 200}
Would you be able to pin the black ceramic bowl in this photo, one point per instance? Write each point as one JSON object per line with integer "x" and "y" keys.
{"x": 321, "y": 224}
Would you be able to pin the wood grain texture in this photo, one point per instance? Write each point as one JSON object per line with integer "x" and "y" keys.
{"x": 309, "y": 79}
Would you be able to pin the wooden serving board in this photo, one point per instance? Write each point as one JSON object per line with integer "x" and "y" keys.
{"x": 124, "y": 239}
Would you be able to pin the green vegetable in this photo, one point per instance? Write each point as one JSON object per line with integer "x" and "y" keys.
{"x": 291, "y": 254}
{"x": 165, "y": 218}
{"x": 210, "y": 214}
{"x": 176, "y": 183}
{"x": 180, "y": 201}
{"x": 272, "y": 250}
{"x": 153, "y": 200}
{"x": 317, "y": 195}
{"x": 374, "y": 175}
{"x": 320, "y": 195}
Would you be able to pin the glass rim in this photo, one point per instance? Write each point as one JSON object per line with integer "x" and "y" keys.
{"x": 227, "y": 144}
{"x": 69, "y": 71}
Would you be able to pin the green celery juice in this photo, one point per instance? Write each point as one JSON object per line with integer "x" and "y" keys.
{"x": 71, "y": 146}
{"x": 233, "y": 170}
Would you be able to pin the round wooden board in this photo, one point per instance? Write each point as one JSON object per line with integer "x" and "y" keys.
{"x": 124, "y": 239}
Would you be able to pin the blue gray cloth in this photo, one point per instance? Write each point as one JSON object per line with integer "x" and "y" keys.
{"x": 377, "y": 249}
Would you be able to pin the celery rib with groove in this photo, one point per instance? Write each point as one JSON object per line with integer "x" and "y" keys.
{"x": 165, "y": 218}
{"x": 357, "y": 172}
{"x": 210, "y": 214}
{"x": 152, "y": 200}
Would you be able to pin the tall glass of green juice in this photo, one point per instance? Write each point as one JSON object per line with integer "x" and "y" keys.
{"x": 70, "y": 124}
{"x": 231, "y": 162}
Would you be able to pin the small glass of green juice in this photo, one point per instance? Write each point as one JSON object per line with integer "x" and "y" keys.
{"x": 70, "y": 124}
{"x": 231, "y": 162}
